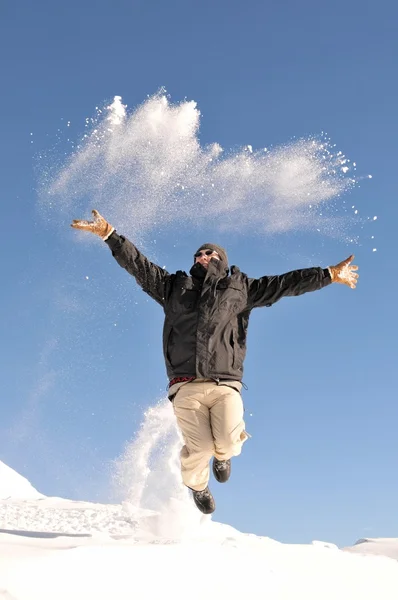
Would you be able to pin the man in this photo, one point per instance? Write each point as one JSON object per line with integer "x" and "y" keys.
{"x": 204, "y": 343}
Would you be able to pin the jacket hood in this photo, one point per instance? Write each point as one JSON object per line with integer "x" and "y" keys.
{"x": 219, "y": 249}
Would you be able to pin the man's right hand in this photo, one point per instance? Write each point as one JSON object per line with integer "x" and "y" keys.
{"x": 344, "y": 272}
{"x": 99, "y": 225}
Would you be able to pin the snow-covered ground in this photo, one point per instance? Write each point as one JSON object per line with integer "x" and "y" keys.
{"x": 157, "y": 544}
{"x": 13, "y": 485}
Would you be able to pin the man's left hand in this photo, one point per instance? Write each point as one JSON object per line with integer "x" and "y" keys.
{"x": 344, "y": 272}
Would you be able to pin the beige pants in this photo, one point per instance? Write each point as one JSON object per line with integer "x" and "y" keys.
{"x": 210, "y": 418}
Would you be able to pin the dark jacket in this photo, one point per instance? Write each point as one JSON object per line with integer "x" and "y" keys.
{"x": 207, "y": 312}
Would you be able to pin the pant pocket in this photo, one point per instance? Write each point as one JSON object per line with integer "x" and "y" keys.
{"x": 244, "y": 436}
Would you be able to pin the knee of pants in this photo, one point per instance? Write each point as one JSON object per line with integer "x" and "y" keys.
{"x": 226, "y": 446}
{"x": 205, "y": 448}
{"x": 208, "y": 448}
{"x": 231, "y": 446}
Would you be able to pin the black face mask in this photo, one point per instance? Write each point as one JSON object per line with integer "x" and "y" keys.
{"x": 198, "y": 271}
{"x": 216, "y": 269}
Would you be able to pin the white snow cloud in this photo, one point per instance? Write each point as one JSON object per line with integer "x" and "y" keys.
{"x": 149, "y": 169}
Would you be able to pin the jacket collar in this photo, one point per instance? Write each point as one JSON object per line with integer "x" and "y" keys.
{"x": 215, "y": 270}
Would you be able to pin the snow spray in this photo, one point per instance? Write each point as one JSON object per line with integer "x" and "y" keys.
{"x": 147, "y": 478}
{"x": 147, "y": 169}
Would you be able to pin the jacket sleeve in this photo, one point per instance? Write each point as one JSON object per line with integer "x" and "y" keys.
{"x": 152, "y": 279}
{"x": 267, "y": 290}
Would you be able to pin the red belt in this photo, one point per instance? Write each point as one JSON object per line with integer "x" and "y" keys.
{"x": 180, "y": 380}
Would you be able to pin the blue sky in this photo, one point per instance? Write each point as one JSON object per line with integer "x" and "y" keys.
{"x": 321, "y": 403}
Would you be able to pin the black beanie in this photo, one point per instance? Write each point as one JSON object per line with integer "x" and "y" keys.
{"x": 219, "y": 249}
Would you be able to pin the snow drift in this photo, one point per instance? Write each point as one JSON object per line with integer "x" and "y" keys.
{"x": 13, "y": 485}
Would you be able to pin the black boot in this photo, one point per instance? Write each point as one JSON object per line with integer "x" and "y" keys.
{"x": 221, "y": 469}
{"x": 204, "y": 501}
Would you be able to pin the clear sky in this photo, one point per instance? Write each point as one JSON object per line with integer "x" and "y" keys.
{"x": 81, "y": 345}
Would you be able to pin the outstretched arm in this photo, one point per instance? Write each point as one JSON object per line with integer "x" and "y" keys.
{"x": 267, "y": 290}
{"x": 152, "y": 278}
